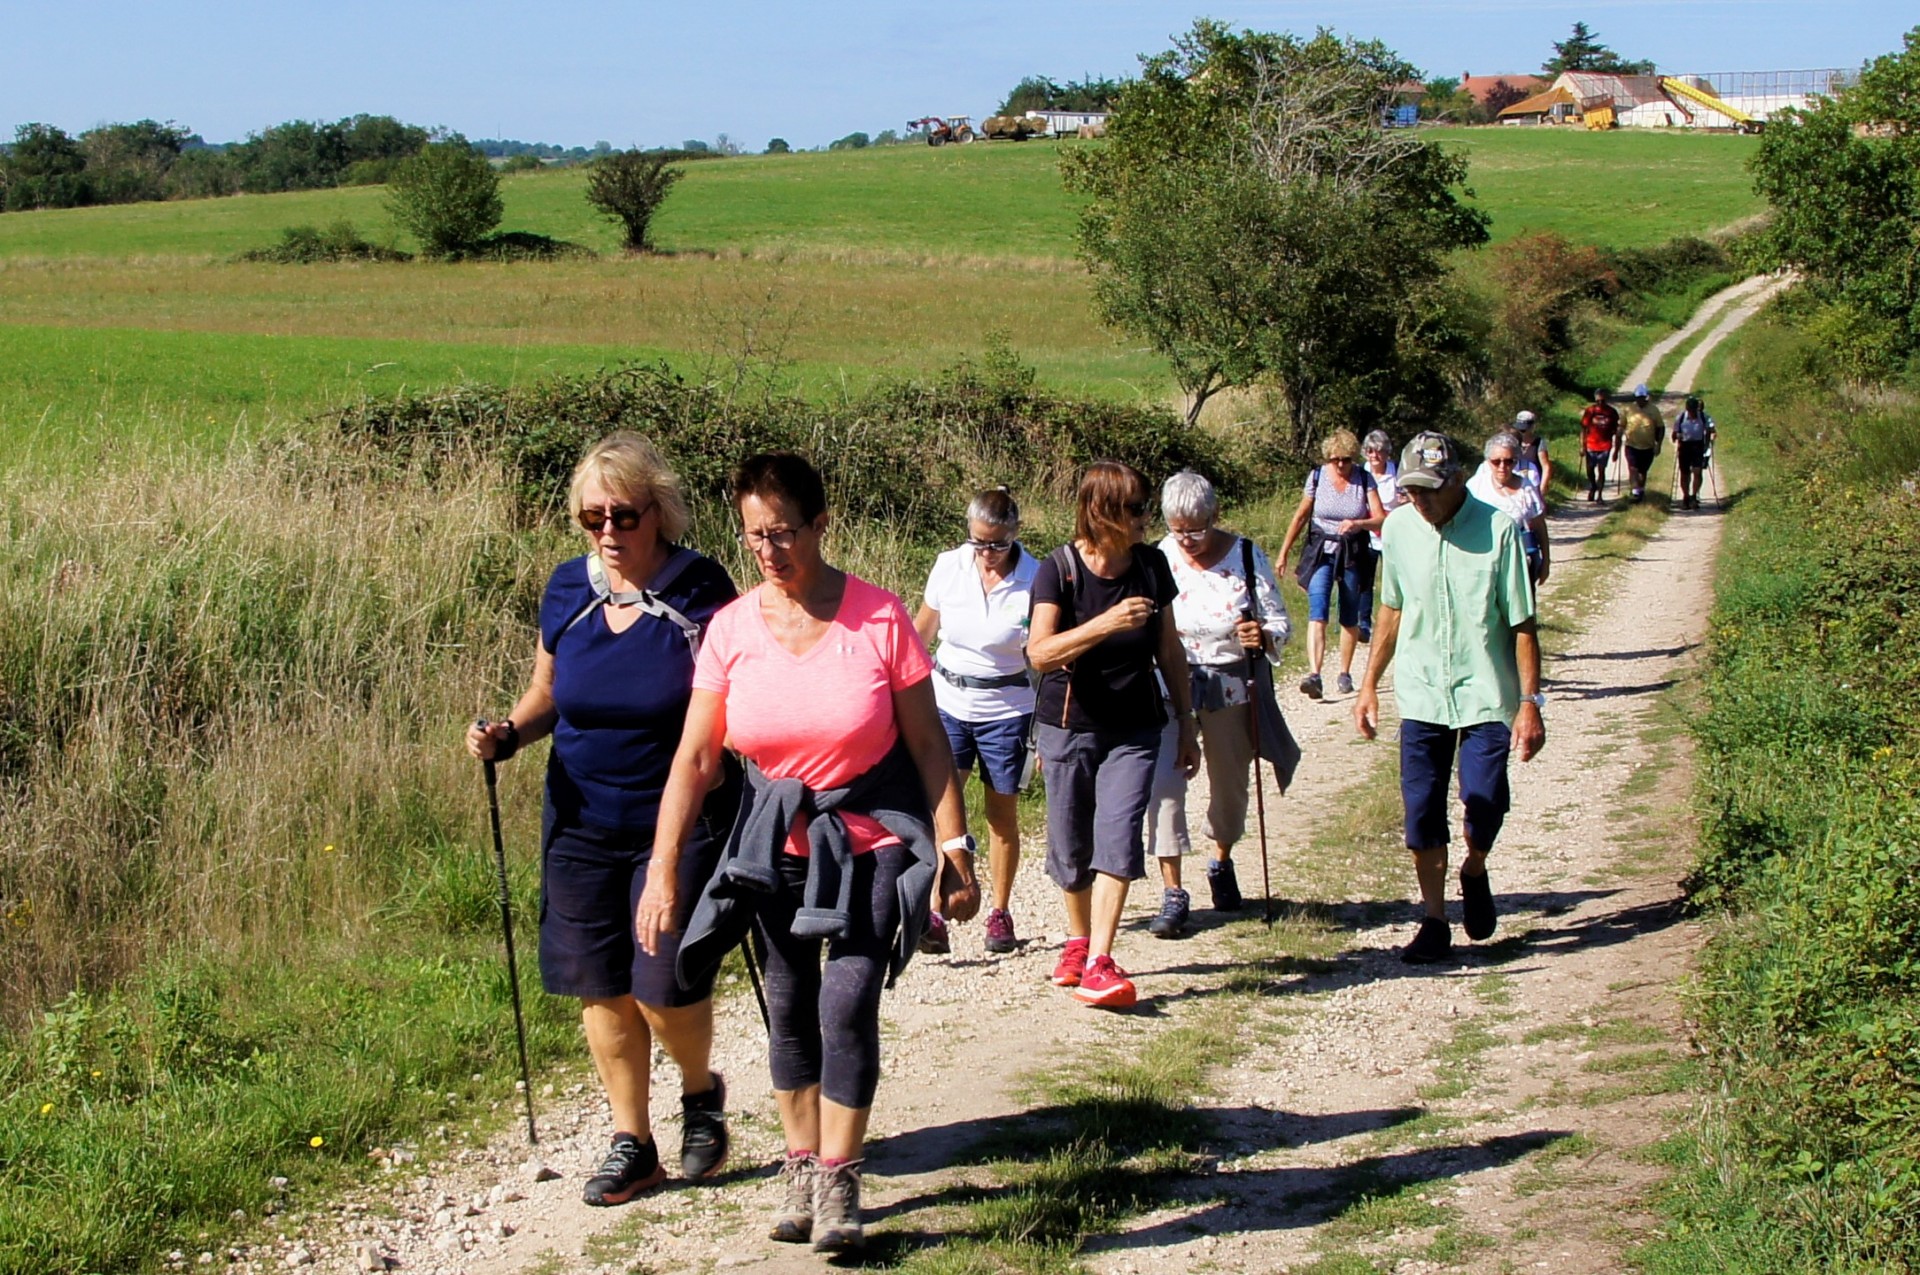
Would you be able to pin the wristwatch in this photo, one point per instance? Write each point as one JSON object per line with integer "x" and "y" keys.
{"x": 966, "y": 843}
{"x": 1538, "y": 699}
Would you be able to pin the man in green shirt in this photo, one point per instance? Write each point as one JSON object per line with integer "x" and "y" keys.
{"x": 1456, "y": 604}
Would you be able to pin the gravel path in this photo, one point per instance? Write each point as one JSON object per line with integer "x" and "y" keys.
{"x": 1507, "y": 1096}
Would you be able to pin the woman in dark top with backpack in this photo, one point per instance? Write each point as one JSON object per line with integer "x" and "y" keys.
{"x": 1101, "y": 623}
{"x": 611, "y": 680}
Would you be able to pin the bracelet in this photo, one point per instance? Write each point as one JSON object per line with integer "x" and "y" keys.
{"x": 510, "y": 744}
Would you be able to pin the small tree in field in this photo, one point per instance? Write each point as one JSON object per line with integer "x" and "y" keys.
{"x": 447, "y": 197}
{"x": 1251, "y": 220}
{"x": 629, "y": 187}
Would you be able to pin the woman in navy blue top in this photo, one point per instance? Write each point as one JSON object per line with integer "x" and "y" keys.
{"x": 611, "y": 680}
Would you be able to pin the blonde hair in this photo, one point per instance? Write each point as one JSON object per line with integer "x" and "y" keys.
{"x": 1340, "y": 443}
{"x": 632, "y": 468}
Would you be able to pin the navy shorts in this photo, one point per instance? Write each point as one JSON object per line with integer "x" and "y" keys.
{"x": 1640, "y": 459}
{"x": 590, "y": 884}
{"x": 1427, "y": 754}
{"x": 1693, "y": 453}
{"x": 999, "y": 747}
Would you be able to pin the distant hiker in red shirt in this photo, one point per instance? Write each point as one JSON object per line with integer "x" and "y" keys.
{"x": 1599, "y": 439}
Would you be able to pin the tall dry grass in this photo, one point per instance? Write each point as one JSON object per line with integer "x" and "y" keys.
{"x": 230, "y": 694}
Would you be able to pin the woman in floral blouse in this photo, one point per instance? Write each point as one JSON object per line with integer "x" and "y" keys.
{"x": 1211, "y": 614}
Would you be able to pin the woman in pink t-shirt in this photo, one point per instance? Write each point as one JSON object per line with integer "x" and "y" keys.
{"x": 819, "y": 681}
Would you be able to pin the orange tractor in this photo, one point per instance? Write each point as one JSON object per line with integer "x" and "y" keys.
{"x": 953, "y": 128}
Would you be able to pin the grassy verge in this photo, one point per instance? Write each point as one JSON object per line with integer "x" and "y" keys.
{"x": 1808, "y": 989}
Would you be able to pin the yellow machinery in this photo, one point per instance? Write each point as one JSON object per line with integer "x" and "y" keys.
{"x": 1670, "y": 85}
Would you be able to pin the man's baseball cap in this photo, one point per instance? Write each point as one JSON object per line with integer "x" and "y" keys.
{"x": 1523, "y": 417}
{"x": 1428, "y": 460}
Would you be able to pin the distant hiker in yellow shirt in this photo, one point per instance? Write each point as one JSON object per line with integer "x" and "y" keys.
{"x": 1644, "y": 429}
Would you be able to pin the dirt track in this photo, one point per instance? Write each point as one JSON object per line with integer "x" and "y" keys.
{"x": 1512, "y": 1090}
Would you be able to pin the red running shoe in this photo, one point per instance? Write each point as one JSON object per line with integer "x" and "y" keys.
{"x": 1073, "y": 963}
{"x": 1105, "y": 985}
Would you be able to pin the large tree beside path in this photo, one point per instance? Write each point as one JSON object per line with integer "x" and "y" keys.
{"x": 1253, "y": 220}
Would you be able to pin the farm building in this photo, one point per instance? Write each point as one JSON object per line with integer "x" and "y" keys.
{"x": 1743, "y": 99}
{"x": 1480, "y": 87}
{"x": 1069, "y": 123}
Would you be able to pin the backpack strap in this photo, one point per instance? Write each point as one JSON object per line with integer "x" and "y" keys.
{"x": 648, "y": 599}
{"x": 1253, "y": 589}
{"x": 1063, "y": 563}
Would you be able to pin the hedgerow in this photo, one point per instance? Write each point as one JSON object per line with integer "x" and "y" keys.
{"x": 1809, "y": 992}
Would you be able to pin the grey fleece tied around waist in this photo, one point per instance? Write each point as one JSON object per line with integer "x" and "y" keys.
{"x": 891, "y": 793}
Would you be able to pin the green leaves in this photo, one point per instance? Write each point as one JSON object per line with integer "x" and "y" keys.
{"x": 1253, "y": 221}
{"x": 1844, "y": 182}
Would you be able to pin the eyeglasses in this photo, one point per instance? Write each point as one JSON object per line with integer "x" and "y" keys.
{"x": 1190, "y": 537}
{"x": 623, "y": 517}
{"x": 1505, "y": 462}
{"x": 1137, "y": 508}
{"x": 781, "y": 538}
{"x": 989, "y": 546}
{"x": 1340, "y": 460}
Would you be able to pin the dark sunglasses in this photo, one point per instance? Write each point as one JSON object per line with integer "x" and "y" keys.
{"x": 1138, "y": 508}
{"x": 1340, "y": 460}
{"x": 624, "y": 518}
{"x": 1500, "y": 460}
{"x": 989, "y": 546}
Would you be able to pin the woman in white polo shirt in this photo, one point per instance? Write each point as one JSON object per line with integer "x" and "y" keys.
{"x": 977, "y": 601}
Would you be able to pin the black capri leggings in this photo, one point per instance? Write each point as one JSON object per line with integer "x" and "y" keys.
{"x": 824, "y": 1023}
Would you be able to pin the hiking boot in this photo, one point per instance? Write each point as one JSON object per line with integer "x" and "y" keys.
{"x": 1224, "y": 886}
{"x": 1000, "y": 931}
{"x": 1172, "y": 920}
{"x": 793, "y": 1224}
{"x": 1073, "y": 963}
{"x": 1433, "y": 943}
{"x": 934, "y": 941}
{"x": 703, "y": 1131}
{"x": 1310, "y": 686}
{"x": 836, "y": 1207}
{"x": 1105, "y": 986}
{"x": 1344, "y": 684}
{"x": 1366, "y": 635}
{"x": 1476, "y": 898}
{"x": 632, "y": 1166}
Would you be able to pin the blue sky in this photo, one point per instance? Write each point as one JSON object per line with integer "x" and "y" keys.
{"x": 639, "y": 73}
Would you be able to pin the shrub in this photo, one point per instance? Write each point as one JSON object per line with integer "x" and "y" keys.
{"x": 306, "y": 245}
{"x": 523, "y": 163}
{"x": 1810, "y": 854}
{"x": 447, "y": 197}
{"x": 629, "y": 188}
{"x": 905, "y": 454}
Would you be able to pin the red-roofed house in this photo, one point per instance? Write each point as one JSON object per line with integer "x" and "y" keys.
{"x": 1481, "y": 85}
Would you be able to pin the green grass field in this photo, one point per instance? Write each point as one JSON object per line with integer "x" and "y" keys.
{"x": 867, "y": 263}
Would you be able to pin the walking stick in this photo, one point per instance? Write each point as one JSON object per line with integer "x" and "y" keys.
{"x": 753, "y": 976}
{"x": 1712, "y": 478}
{"x": 1259, "y": 788}
{"x": 506, "y": 926}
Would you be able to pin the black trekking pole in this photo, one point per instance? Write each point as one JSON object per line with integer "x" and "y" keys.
{"x": 506, "y": 927}
{"x": 1714, "y": 479}
{"x": 1259, "y": 788}
{"x": 753, "y": 977}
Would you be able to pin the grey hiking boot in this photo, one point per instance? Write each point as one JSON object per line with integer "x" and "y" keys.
{"x": 703, "y": 1131}
{"x": 793, "y": 1224}
{"x": 1224, "y": 886}
{"x": 836, "y": 1207}
{"x": 1172, "y": 920}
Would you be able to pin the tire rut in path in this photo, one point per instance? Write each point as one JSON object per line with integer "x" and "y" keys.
{"x": 1591, "y": 942}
